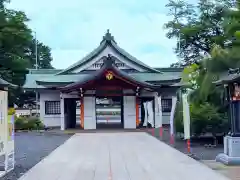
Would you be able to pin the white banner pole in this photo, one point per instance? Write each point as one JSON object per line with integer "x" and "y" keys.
{"x": 186, "y": 120}
{"x": 174, "y": 102}
{"x": 160, "y": 116}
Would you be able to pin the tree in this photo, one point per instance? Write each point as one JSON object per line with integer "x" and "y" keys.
{"x": 209, "y": 47}
{"x": 199, "y": 27}
{"x": 15, "y": 37}
{"x": 17, "y": 49}
{"x": 44, "y": 55}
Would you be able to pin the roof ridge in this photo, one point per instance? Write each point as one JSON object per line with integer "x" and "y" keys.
{"x": 108, "y": 39}
{"x": 85, "y": 58}
{"x": 132, "y": 58}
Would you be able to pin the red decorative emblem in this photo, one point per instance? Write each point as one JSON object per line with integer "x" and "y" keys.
{"x": 109, "y": 75}
{"x": 236, "y": 95}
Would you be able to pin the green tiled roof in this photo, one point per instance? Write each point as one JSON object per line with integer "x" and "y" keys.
{"x": 225, "y": 78}
{"x": 48, "y": 78}
{"x": 4, "y": 83}
{"x": 153, "y": 76}
{"x": 30, "y": 82}
{"x": 108, "y": 39}
{"x": 169, "y": 69}
{"x": 32, "y": 78}
{"x": 44, "y": 71}
{"x": 131, "y": 58}
{"x": 157, "y": 76}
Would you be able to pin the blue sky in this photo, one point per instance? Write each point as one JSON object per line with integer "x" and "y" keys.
{"x": 74, "y": 28}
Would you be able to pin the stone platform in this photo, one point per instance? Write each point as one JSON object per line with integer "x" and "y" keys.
{"x": 118, "y": 156}
{"x": 231, "y": 155}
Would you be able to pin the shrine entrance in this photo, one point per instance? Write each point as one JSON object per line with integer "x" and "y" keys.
{"x": 109, "y": 112}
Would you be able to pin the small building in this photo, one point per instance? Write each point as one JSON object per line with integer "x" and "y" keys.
{"x": 108, "y": 87}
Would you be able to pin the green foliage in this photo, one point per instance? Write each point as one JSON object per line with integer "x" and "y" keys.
{"x": 17, "y": 49}
{"x": 11, "y": 111}
{"x": 205, "y": 118}
{"x": 190, "y": 75}
{"x": 28, "y": 123}
{"x": 209, "y": 45}
{"x": 199, "y": 27}
{"x": 178, "y": 118}
{"x": 202, "y": 116}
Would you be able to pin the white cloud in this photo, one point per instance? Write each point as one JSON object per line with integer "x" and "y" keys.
{"x": 75, "y": 28}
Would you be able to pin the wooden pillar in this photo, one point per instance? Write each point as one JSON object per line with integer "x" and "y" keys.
{"x": 82, "y": 112}
{"x": 137, "y": 112}
{"x": 62, "y": 116}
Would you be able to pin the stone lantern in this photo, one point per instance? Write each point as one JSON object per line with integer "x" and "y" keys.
{"x": 231, "y": 83}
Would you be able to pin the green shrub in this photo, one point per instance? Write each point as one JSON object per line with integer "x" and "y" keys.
{"x": 178, "y": 118}
{"x": 28, "y": 123}
{"x": 11, "y": 111}
{"x": 205, "y": 118}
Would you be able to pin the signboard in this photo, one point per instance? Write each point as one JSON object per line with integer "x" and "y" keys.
{"x": 97, "y": 65}
{"x": 3, "y": 129}
{"x": 9, "y": 163}
{"x": 6, "y": 136}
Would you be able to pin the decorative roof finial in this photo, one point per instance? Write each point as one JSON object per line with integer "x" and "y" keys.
{"x": 108, "y": 37}
{"x": 108, "y": 61}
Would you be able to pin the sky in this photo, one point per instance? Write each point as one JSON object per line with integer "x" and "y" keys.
{"x": 76, "y": 27}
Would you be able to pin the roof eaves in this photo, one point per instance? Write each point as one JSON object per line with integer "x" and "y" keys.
{"x": 227, "y": 78}
{"x": 169, "y": 69}
{"x": 4, "y": 83}
{"x": 109, "y": 66}
{"x": 43, "y": 71}
{"x": 85, "y": 59}
{"x": 132, "y": 58}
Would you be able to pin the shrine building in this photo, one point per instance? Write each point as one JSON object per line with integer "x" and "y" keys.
{"x": 108, "y": 88}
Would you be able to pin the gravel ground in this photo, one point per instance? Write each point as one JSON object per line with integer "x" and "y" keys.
{"x": 198, "y": 149}
{"x": 31, "y": 148}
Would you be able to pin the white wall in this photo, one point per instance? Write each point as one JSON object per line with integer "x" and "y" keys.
{"x": 49, "y": 120}
{"x": 166, "y": 117}
{"x": 129, "y": 105}
{"x": 89, "y": 113}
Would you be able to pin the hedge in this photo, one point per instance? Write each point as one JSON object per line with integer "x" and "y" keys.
{"x": 28, "y": 123}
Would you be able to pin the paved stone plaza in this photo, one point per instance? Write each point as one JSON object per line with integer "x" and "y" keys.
{"x": 118, "y": 156}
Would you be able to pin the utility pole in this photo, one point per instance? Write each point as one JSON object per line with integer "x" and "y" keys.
{"x": 179, "y": 41}
{"x": 36, "y": 67}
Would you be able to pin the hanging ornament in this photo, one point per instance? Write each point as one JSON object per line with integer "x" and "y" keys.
{"x": 109, "y": 75}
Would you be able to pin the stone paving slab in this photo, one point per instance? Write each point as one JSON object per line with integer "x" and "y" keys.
{"x": 233, "y": 172}
{"x": 118, "y": 156}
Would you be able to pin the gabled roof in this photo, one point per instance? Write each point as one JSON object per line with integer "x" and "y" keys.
{"x": 4, "y": 83}
{"x": 165, "y": 78}
{"x": 108, "y": 40}
{"x": 233, "y": 75}
{"x": 109, "y": 66}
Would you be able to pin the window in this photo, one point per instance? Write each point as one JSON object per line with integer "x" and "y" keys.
{"x": 52, "y": 107}
{"x": 166, "y": 105}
